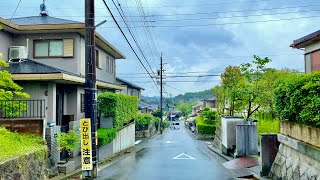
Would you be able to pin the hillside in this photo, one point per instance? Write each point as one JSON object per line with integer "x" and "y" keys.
{"x": 193, "y": 96}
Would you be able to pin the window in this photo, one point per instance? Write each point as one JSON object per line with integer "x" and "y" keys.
{"x": 108, "y": 64}
{"x": 111, "y": 67}
{"x": 97, "y": 58}
{"x": 53, "y": 48}
{"x": 82, "y": 102}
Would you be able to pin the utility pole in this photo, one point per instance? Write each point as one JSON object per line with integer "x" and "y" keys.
{"x": 90, "y": 83}
{"x": 161, "y": 110}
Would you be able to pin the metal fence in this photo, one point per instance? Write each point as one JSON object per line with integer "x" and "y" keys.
{"x": 22, "y": 109}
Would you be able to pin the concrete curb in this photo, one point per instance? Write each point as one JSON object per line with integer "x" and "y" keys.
{"x": 102, "y": 164}
{"x": 218, "y": 152}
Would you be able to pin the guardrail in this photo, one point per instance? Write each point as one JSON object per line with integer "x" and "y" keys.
{"x": 22, "y": 109}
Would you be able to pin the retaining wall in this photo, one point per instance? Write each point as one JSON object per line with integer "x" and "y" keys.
{"x": 31, "y": 166}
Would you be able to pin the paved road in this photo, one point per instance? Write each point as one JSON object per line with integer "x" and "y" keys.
{"x": 162, "y": 158}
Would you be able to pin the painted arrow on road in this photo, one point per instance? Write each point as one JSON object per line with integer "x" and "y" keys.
{"x": 183, "y": 156}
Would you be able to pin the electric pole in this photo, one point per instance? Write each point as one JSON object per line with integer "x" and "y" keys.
{"x": 90, "y": 83}
{"x": 161, "y": 110}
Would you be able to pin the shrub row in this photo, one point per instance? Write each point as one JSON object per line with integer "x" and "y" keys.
{"x": 106, "y": 135}
{"x": 144, "y": 120}
{"x": 122, "y": 108}
{"x": 297, "y": 98}
{"x": 204, "y": 128}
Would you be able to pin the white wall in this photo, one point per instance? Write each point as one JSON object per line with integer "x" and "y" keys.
{"x": 312, "y": 47}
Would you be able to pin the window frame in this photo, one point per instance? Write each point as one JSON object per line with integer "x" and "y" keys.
{"x": 48, "y": 41}
{"x": 97, "y": 56}
{"x": 108, "y": 64}
{"x": 82, "y": 102}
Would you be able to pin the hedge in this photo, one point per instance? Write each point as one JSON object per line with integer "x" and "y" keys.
{"x": 106, "y": 135}
{"x": 204, "y": 128}
{"x": 144, "y": 120}
{"x": 297, "y": 98}
{"x": 122, "y": 108}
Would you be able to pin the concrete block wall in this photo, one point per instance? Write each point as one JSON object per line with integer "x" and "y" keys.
{"x": 50, "y": 136}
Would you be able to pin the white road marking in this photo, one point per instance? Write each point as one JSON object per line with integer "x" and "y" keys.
{"x": 170, "y": 142}
{"x": 137, "y": 142}
{"x": 183, "y": 156}
{"x": 208, "y": 142}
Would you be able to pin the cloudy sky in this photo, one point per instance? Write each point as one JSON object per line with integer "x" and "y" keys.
{"x": 196, "y": 37}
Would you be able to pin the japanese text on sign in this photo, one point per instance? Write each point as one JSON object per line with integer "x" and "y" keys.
{"x": 86, "y": 153}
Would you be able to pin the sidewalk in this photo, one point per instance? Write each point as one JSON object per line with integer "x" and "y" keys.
{"x": 255, "y": 170}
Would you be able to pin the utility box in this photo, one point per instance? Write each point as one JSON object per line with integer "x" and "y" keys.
{"x": 228, "y": 132}
{"x": 269, "y": 146}
{"x": 247, "y": 139}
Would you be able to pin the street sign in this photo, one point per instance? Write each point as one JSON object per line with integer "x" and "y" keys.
{"x": 86, "y": 150}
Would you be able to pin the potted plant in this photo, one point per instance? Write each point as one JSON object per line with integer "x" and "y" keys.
{"x": 68, "y": 141}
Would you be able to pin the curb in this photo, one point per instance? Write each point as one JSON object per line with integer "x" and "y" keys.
{"x": 226, "y": 158}
{"x": 102, "y": 164}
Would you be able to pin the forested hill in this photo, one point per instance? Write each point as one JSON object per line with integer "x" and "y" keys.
{"x": 194, "y": 96}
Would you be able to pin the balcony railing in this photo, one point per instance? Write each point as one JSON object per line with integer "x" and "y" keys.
{"x": 22, "y": 109}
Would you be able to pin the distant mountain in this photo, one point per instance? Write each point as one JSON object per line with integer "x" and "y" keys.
{"x": 153, "y": 99}
{"x": 194, "y": 96}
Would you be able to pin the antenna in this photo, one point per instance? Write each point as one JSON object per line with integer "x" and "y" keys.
{"x": 43, "y": 9}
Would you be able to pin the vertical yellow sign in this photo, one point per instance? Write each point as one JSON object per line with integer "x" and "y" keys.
{"x": 86, "y": 153}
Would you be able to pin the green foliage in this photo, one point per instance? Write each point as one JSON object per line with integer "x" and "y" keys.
{"x": 208, "y": 116}
{"x": 194, "y": 96}
{"x": 166, "y": 123}
{"x": 13, "y": 145}
{"x": 157, "y": 113}
{"x": 69, "y": 141}
{"x": 204, "y": 128}
{"x": 144, "y": 120}
{"x": 106, "y": 135}
{"x": 9, "y": 90}
{"x": 297, "y": 98}
{"x": 220, "y": 96}
{"x": 186, "y": 108}
{"x": 122, "y": 108}
{"x": 268, "y": 126}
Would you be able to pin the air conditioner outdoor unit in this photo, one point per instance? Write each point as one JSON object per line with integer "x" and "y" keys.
{"x": 18, "y": 53}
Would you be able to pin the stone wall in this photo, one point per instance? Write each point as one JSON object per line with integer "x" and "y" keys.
{"x": 295, "y": 160}
{"x": 151, "y": 131}
{"x": 32, "y": 166}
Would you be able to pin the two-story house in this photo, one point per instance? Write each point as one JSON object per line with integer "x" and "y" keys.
{"x": 129, "y": 88}
{"x": 311, "y": 46}
{"x": 47, "y": 58}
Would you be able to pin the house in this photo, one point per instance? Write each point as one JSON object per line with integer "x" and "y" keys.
{"x": 129, "y": 88}
{"x": 147, "y": 107}
{"x": 310, "y": 44}
{"x": 46, "y": 57}
{"x": 196, "y": 109}
{"x": 210, "y": 103}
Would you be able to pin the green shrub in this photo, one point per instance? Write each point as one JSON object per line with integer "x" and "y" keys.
{"x": 122, "y": 108}
{"x": 297, "y": 98}
{"x": 204, "y": 128}
{"x": 106, "y": 135}
{"x": 13, "y": 145}
{"x": 69, "y": 141}
{"x": 144, "y": 120}
{"x": 208, "y": 116}
{"x": 166, "y": 123}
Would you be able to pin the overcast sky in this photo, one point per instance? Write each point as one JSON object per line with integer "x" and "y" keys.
{"x": 193, "y": 35}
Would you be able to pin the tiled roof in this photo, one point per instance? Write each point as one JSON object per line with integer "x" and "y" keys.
{"x": 33, "y": 67}
{"x": 211, "y": 99}
{"x": 304, "y": 39}
{"x": 129, "y": 83}
{"x": 41, "y": 20}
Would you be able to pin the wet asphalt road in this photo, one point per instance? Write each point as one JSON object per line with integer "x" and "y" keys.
{"x": 159, "y": 159}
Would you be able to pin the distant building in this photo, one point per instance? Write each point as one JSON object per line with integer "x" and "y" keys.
{"x": 210, "y": 103}
{"x": 129, "y": 88}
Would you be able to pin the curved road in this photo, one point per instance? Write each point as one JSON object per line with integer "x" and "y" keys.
{"x": 175, "y": 154}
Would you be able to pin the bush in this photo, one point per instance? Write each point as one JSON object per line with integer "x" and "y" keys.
{"x": 144, "y": 120}
{"x": 122, "y": 108}
{"x": 106, "y": 135}
{"x": 166, "y": 123}
{"x": 297, "y": 98}
{"x": 69, "y": 141}
{"x": 204, "y": 128}
{"x": 13, "y": 145}
{"x": 208, "y": 116}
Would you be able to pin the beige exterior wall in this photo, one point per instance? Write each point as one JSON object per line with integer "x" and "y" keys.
{"x": 312, "y": 47}
{"x": 5, "y": 43}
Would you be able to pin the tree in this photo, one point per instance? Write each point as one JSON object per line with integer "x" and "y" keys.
{"x": 186, "y": 108}
{"x": 157, "y": 113}
{"x": 219, "y": 94}
{"x": 231, "y": 78}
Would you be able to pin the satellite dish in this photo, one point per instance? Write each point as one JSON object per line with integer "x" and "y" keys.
{"x": 42, "y": 7}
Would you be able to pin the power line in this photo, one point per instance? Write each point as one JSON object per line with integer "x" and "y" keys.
{"x": 15, "y": 10}
{"x": 190, "y": 72}
{"x": 132, "y": 35}
{"x": 179, "y": 76}
{"x": 128, "y": 41}
{"x": 229, "y": 57}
